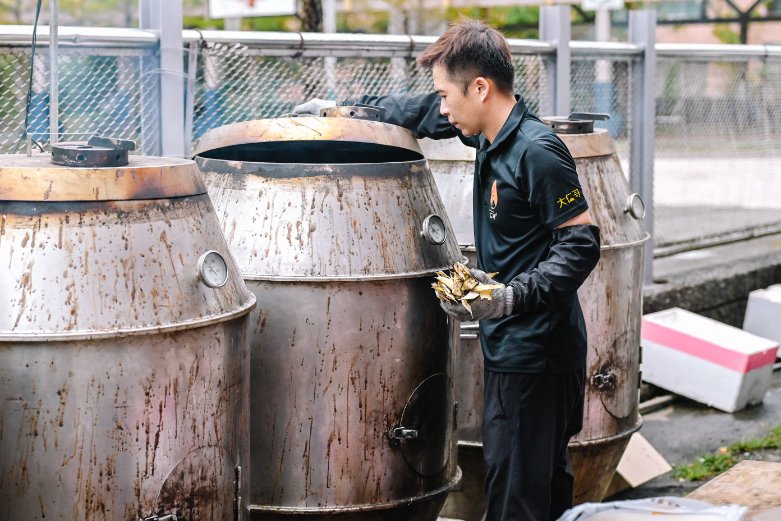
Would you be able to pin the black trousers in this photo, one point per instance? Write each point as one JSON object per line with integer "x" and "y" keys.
{"x": 528, "y": 420}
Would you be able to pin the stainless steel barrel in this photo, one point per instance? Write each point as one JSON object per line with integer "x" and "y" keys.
{"x": 612, "y": 304}
{"x": 338, "y": 228}
{"x": 453, "y": 165}
{"x": 123, "y": 374}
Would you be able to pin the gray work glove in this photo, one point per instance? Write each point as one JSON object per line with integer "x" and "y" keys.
{"x": 501, "y": 302}
{"x": 313, "y": 106}
{"x": 456, "y": 310}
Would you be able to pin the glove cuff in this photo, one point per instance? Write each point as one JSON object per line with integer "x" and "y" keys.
{"x": 509, "y": 300}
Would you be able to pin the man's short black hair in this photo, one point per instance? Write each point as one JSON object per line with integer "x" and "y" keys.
{"x": 470, "y": 49}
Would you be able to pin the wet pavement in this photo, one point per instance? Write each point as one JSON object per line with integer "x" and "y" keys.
{"x": 686, "y": 429}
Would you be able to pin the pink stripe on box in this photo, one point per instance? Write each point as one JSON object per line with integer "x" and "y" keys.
{"x": 707, "y": 351}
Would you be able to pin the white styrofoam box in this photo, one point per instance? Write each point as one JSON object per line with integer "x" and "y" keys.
{"x": 705, "y": 360}
{"x": 763, "y": 314}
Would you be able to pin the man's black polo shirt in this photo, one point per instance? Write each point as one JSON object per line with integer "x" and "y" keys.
{"x": 525, "y": 185}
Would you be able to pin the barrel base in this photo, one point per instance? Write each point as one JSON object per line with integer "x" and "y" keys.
{"x": 421, "y": 508}
{"x": 424, "y": 511}
{"x": 467, "y": 501}
{"x": 594, "y": 465}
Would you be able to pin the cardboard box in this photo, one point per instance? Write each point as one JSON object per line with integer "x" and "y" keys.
{"x": 640, "y": 463}
{"x": 705, "y": 360}
{"x": 763, "y": 314}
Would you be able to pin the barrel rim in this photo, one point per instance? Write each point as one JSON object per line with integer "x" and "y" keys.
{"x": 309, "y": 128}
{"x": 594, "y": 144}
{"x": 428, "y": 272}
{"x": 364, "y": 507}
{"x": 607, "y": 439}
{"x": 36, "y": 179}
{"x": 57, "y": 336}
{"x": 209, "y": 165}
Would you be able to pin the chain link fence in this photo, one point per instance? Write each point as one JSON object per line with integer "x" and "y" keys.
{"x": 718, "y": 155}
{"x": 101, "y": 90}
{"x": 603, "y": 84}
{"x": 717, "y": 168}
{"x": 238, "y": 83}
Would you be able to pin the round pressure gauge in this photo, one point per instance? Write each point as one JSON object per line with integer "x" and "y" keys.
{"x": 212, "y": 269}
{"x": 635, "y": 206}
{"x": 434, "y": 229}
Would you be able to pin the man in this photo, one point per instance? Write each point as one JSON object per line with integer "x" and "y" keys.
{"x": 533, "y": 227}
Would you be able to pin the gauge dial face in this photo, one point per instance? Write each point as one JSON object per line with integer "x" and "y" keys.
{"x": 212, "y": 269}
{"x": 434, "y": 229}
{"x": 635, "y": 206}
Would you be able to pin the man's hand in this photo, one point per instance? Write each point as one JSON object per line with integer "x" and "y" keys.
{"x": 455, "y": 310}
{"x": 501, "y": 301}
{"x": 314, "y": 106}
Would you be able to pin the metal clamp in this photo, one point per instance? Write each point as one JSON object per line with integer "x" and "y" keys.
{"x": 164, "y": 517}
{"x": 635, "y": 206}
{"x": 603, "y": 381}
{"x": 589, "y": 116}
{"x": 403, "y": 433}
{"x": 355, "y": 112}
{"x": 575, "y": 123}
{"x": 97, "y": 152}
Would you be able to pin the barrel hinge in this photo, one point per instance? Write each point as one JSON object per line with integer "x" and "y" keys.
{"x": 237, "y": 499}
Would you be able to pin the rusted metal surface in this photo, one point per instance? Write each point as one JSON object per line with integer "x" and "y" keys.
{"x": 587, "y": 146}
{"x": 35, "y": 178}
{"x": 612, "y": 302}
{"x": 352, "y": 401}
{"x": 612, "y": 305}
{"x": 123, "y": 379}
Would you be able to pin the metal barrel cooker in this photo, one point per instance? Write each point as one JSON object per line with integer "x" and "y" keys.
{"x": 338, "y": 228}
{"x": 453, "y": 165}
{"x": 612, "y": 302}
{"x": 611, "y": 299}
{"x": 123, "y": 342}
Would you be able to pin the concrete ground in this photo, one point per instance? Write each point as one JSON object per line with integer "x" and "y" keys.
{"x": 685, "y": 430}
{"x": 715, "y": 282}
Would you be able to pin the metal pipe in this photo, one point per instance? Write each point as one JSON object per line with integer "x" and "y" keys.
{"x": 642, "y": 31}
{"x": 604, "y": 49}
{"x": 716, "y": 52}
{"x": 555, "y": 28}
{"x": 54, "y": 77}
{"x": 85, "y": 36}
{"x": 293, "y": 43}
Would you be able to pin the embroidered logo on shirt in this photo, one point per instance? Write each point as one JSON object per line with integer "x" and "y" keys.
{"x": 494, "y": 202}
{"x": 569, "y": 198}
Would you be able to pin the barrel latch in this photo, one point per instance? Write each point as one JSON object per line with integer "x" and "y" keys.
{"x": 403, "y": 433}
{"x": 603, "y": 381}
{"x": 354, "y": 112}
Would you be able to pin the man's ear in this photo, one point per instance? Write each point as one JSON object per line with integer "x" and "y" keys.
{"x": 482, "y": 87}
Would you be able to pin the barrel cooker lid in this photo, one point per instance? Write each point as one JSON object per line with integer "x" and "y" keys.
{"x": 36, "y": 178}
{"x": 330, "y": 140}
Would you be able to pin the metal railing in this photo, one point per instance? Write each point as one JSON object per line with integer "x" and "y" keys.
{"x": 718, "y": 108}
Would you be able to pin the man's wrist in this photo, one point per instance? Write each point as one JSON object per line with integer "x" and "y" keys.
{"x": 509, "y": 300}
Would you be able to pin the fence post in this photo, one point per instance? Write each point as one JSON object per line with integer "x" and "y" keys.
{"x": 54, "y": 74}
{"x": 166, "y": 19}
{"x": 642, "y": 32}
{"x": 555, "y": 29}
